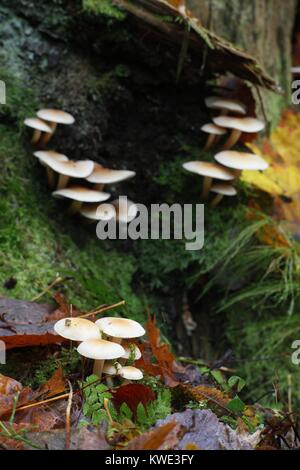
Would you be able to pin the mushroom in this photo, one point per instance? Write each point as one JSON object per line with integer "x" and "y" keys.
{"x": 39, "y": 126}
{"x": 77, "y": 329}
{"x": 226, "y": 105}
{"x": 214, "y": 134}
{"x": 238, "y": 125}
{"x": 131, "y": 373}
{"x": 241, "y": 161}
{"x": 221, "y": 190}
{"x": 48, "y": 155}
{"x": 132, "y": 353}
{"x": 95, "y": 212}
{"x": 102, "y": 176}
{"x": 80, "y": 194}
{"x": 126, "y": 210}
{"x": 100, "y": 350}
{"x": 112, "y": 368}
{"x": 68, "y": 169}
{"x": 54, "y": 117}
{"x": 120, "y": 328}
{"x": 209, "y": 170}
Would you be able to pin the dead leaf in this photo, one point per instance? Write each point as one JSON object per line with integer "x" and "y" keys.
{"x": 9, "y": 386}
{"x": 55, "y": 385}
{"x": 25, "y": 324}
{"x": 165, "y": 437}
{"x": 132, "y": 395}
{"x": 206, "y": 432}
{"x": 164, "y": 358}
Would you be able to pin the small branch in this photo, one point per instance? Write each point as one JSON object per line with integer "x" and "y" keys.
{"x": 103, "y": 309}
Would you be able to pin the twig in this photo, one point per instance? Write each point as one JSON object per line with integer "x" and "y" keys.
{"x": 58, "y": 397}
{"x": 103, "y": 309}
{"x": 58, "y": 280}
{"x": 68, "y": 417}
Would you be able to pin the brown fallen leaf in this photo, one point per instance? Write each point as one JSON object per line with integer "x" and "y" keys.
{"x": 165, "y": 437}
{"x": 55, "y": 385}
{"x": 25, "y": 324}
{"x": 164, "y": 360}
{"x": 9, "y": 386}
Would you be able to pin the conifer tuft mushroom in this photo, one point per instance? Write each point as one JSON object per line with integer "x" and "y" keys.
{"x": 221, "y": 190}
{"x": 38, "y": 127}
{"x": 214, "y": 132}
{"x": 80, "y": 194}
{"x": 209, "y": 170}
{"x": 100, "y": 350}
{"x": 45, "y": 156}
{"x": 54, "y": 117}
{"x": 238, "y": 125}
{"x": 102, "y": 176}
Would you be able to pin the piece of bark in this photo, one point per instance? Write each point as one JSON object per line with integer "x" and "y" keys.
{"x": 25, "y": 324}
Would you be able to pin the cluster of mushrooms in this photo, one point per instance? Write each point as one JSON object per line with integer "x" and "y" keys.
{"x": 101, "y": 341}
{"x": 88, "y": 195}
{"x": 231, "y": 116}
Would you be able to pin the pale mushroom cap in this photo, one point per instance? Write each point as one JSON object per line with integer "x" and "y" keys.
{"x": 132, "y": 352}
{"x": 100, "y": 349}
{"x": 103, "y": 175}
{"x": 112, "y": 368}
{"x": 82, "y": 194}
{"x": 225, "y": 189}
{"x": 55, "y": 115}
{"x": 131, "y": 373}
{"x": 79, "y": 169}
{"x": 77, "y": 329}
{"x": 216, "y": 102}
{"x": 213, "y": 129}
{"x": 244, "y": 124}
{"x": 120, "y": 327}
{"x": 37, "y": 124}
{"x": 212, "y": 170}
{"x": 241, "y": 160}
{"x": 50, "y": 154}
{"x": 126, "y": 210}
{"x": 98, "y": 212}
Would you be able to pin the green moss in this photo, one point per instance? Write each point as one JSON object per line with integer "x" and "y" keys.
{"x": 103, "y": 7}
{"x": 37, "y": 241}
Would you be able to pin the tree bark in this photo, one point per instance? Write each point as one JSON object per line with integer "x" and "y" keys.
{"x": 263, "y": 28}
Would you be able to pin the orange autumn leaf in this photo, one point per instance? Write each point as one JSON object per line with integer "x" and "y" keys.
{"x": 164, "y": 437}
{"x": 55, "y": 385}
{"x": 164, "y": 358}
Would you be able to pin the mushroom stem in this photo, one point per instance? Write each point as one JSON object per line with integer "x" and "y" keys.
{"x": 216, "y": 200}
{"x": 115, "y": 340}
{"x": 47, "y": 136}
{"x": 36, "y": 137}
{"x": 99, "y": 186}
{"x": 75, "y": 207}
{"x": 62, "y": 181}
{"x": 50, "y": 177}
{"x": 232, "y": 139}
{"x": 98, "y": 368}
{"x": 109, "y": 382}
{"x": 206, "y": 186}
{"x": 210, "y": 142}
